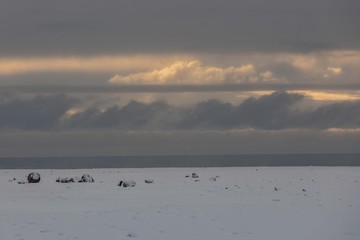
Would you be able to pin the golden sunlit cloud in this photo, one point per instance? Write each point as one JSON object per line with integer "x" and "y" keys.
{"x": 329, "y": 96}
{"x": 194, "y": 72}
{"x": 111, "y": 64}
{"x": 335, "y": 70}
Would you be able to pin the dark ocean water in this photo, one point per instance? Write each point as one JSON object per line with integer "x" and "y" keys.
{"x": 181, "y": 161}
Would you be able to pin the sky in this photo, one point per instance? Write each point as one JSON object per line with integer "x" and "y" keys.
{"x": 179, "y": 77}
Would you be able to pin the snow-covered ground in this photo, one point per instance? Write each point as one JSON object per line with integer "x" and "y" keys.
{"x": 311, "y": 203}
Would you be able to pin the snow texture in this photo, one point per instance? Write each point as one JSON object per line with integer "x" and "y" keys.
{"x": 310, "y": 203}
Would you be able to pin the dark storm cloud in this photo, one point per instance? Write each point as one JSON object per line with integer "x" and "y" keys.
{"x": 93, "y": 27}
{"x": 280, "y": 110}
{"x": 135, "y": 115}
{"x": 40, "y": 112}
{"x": 267, "y": 112}
{"x": 270, "y": 112}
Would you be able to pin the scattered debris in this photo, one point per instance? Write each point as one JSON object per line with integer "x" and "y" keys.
{"x": 33, "y": 177}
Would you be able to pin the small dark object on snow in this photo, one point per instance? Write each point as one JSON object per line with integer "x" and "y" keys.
{"x": 212, "y": 179}
{"x": 87, "y": 178}
{"x": 131, "y": 235}
{"x": 125, "y": 184}
{"x": 304, "y": 190}
{"x": 21, "y": 182}
{"x": 275, "y": 188}
{"x": 197, "y": 180}
{"x": 14, "y": 179}
{"x": 187, "y": 176}
{"x": 194, "y": 175}
{"x": 33, "y": 177}
{"x": 149, "y": 181}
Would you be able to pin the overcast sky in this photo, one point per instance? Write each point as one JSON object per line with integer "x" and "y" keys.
{"x": 179, "y": 77}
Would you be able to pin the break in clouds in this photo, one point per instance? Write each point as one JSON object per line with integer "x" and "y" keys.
{"x": 279, "y": 110}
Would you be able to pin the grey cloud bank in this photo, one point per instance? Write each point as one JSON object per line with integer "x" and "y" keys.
{"x": 47, "y": 28}
{"x": 279, "y": 110}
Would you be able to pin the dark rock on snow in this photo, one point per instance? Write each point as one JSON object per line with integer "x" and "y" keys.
{"x": 33, "y": 177}
{"x": 64, "y": 180}
{"x": 87, "y": 178}
{"x": 125, "y": 184}
{"x": 149, "y": 181}
{"x": 194, "y": 175}
{"x": 84, "y": 178}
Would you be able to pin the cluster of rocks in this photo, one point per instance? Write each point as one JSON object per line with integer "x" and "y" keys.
{"x": 34, "y": 177}
{"x": 195, "y": 175}
{"x": 84, "y": 178}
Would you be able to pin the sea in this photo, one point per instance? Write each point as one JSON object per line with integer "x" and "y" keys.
{"x": 175, "y": 161}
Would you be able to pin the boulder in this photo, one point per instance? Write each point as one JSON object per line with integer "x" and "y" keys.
{"x": 66, "y": 180}
{"x": 33, "y": 177}
{"x": 87, "y": 178}
{"x": 130, "y": 183}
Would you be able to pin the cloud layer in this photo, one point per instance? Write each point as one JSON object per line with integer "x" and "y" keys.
{"x": 89, "y": 27}
{"x": 194, "y": 72}
{"x": 279, "y": 110}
